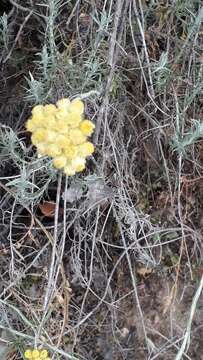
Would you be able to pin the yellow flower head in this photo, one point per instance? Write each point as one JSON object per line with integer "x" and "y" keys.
{"x": 69, "y": 170}
{"x": 39, "y": 136}
{"x": 38, "y": 110}
{"x": 50, "y": 136}
{"x": 34, "y": 123}
{"x": 53, "y": 150}
{"x": 28, "y": 354}
{"x": 76, "y": 136}
{"x": 60, "y": 132}
{"x": 63, "y": 104}
{"x": 62, "y": 140}
{"x": 61, "y": 126}
{"x": 73, "y": 119}
{"x": 36, "y": 354}
{"x": 30, "y": 125}
{"x": 87, "y": 127}
{"x": 50, "y": 109}
{"x": 44, "y": 354}
{"x": 76, "y": 106}
{"x": 78, "y": 164}
{"x": 60, "y": 162}
{"x": 42, "y": 148}
{"x": 86, "y": 149}
{"x": 70, "y": 152}
{"x": 51, "y": 122}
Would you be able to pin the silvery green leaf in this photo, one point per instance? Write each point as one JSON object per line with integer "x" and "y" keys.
{"x": 73, "y": 193}
{"x": 98, "y": 191}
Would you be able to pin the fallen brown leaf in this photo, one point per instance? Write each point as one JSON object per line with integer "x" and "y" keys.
{"x": 144, "y": 271}
{"x": 48, "y": 208}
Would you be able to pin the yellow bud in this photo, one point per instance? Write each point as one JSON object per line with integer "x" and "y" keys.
{"x": 35, "y": 354}
{"x": 30, "y": 126}
{"x": 77, "y": 136}
{"x": 87, "y": 127}
{"x": 70, "y": 152}
{"x": 59, "y": 162}
{"x": 34, "y": 123}
{"x": 50, "y": 109}
{"x": 62, "y": 140}
{"x": 50, "y": 136}
{"x": 85, "y": 149}
{"x": 77, "y": 106}
{"x": 61, "y": 115}
{"x": 73, "y": 119}
{"x": 63, "y": 104}
{"x": 61, "y": 126}
{"x": 42, "y": 148}
{"x": 34, "y": 139}
{"x": 38, "y": 110}
{"x": 28, "y": 354}
{"x": 51, "y": 122}
{"x": 38, "y": 121}
{"x": 78, "y": 163}
{"x": 69, "y": 170}
{"x": 53, "y": 150}
{"x": 39, "y": 135}
{"x": 43, "y": 354}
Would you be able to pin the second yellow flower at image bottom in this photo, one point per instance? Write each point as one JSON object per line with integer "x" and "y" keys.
{"x": 61, "y": 132}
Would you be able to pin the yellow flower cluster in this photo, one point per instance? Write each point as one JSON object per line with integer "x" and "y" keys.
{"x": 36, "y": 355}
{"x": 61, "y": 133}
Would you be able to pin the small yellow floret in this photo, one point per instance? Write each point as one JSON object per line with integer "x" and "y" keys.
{"x": 38, "y": 121}
{"x": 76, "y": 105}
{"x": 73, "y": 119}
{"x": 34, "y": 123}
{"x": 38, "y": 136}
{"x": 78, "y": 164}
{"x": 30, "y": 126}
{"x": 63, "y": 104}
{"x": 35, "y": 354}
{"x": 50, "y": 136}
{"x": 76, "y": 136}
{"x": 59, "y": 162}
{"x": 42, "y": 148}
{"x": 87, "y": 127}
{"x": 43, "y": 354}
{"x": 53, "y": 150}
{"x": 70, "y": 152}
{"x": 69, "y": 170}
{"x": 61, "y": 115}
{"x": 86, "y": 149}
{"x": 38, "y": 110}
{"x": 61, "y": 126}
{"x": 50, "y": 109}
{"x": 34, "y": 139}
{"x": 28, "y": 354}
{"x": 51, "y": 122}
{"x": 62, "y": 141}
